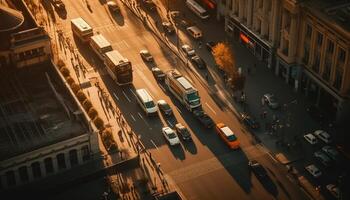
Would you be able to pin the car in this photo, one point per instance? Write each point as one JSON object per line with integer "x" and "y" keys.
{"x": 158, "y": 73}
{"x": 323, "y": 135}
{"x": 58, "y": 4}
{"x": 259, "y": 171}
{"x": 195, "y": 32}
{"x": 271, "y": 101}
{"x": 150, "y": 5}
{"x": 164, "y": 107}
{"x": 188, "y": 50}
{"x": 203, "y": 118}
{"x": 174, "y": 14}
{"x": 323, "y": 158}
{"x": 113, "y": 6}
{"x": 250, "y": 121}
{"x": 145, "y": 54}
{"x": 333, "y": 190}
{"x": 168, "y": 27}
{"x": 170, "y": 136}
{"x": 313, "y": 170}
{"x": 331, "y": 152}
{"x": 198, "y": 62}
{"x": 310, "y": 138}
{"x": 227, "y": 135}
{"x": 210, "y": 45}
{"x": 183, "y": 132}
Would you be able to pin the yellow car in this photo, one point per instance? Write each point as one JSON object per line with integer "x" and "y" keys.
{"x": 227, "y": 135}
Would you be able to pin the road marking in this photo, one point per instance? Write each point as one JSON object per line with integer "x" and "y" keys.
{"x": 126, "y": 96}
{"x": 132, "y": 92}
{"x": 154, "y": 144}
{"x": 143, "y": 119}
{"x": 169, "y": 123}
{"x": 133, "y": 117}
{"x": 115, "y": 96}
{"x": 162, "y": 88}
{"x": 178, "y": 110}
{"x": 126, "y": 44}
{"x": 210, "y": 108}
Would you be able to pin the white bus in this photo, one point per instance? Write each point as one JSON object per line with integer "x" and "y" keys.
{"x": 197, "y": 9}
{"x": 81, "y": 29}
{"x": 100, "y": 45}
{"x": 146, "y": 102}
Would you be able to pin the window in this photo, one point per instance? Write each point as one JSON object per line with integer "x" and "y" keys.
{"x": 308, "y": 31}
{"x": 316, "y": 66}
{"x": 338, "y": 78}
{"x": 319, "y": 39}
{"x": 327, "y": 70}
{"x": 306, "y": 55}
{"x": 73, "y": 157}
{"x": 85, "y": 153}
{"x": 48, "y": 165}
{"x": 23, "y": 173}
{"x": 341, "y": 55}
{"x": 61, "y": 161}
{"x": 330, "y": 47}
{"x": 36, "y": 170}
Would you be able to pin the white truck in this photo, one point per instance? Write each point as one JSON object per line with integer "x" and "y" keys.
{"x": 183, "y": 90}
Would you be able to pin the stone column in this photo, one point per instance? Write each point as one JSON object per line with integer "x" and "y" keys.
{"x": 250, "y": 13}
{"x": 265, "y": 19}
{"x": 274, "y": 22}
{"x": 241, "y": 9}
{"x": 67, "y": 159}
{"x": 284, "y": 14}
{"x": 2, "y": 181}
{"x": 30, "y": 173}
{"x": 292, "y": 37}
{"x": 17, "y": 178}
{"x": 80, "y": 157}
{"x": 54, "y": 164}
{"x": 42, "y": 168}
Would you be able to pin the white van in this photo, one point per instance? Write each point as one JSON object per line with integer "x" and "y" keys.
{"x": 146, "y": 102}
{"x": 194, "y": 32}
{"x": 323, "y": 135}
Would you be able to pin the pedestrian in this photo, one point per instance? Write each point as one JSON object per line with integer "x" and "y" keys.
{"x": 262, "y": 101}
{"x": 206, "y": 76}
{"x": 200, "y": 44}
{"x": 248, "y": 70}
{"x": 264, "y": 114}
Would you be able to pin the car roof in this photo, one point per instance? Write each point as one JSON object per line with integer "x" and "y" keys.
{"x": 310, "y": 135}
{"x": 227, "y": 131}
{"x": 162, "y": 102}
{"x": 168, "y": 130}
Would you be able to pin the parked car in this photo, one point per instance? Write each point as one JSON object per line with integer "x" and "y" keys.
{"x": 113, "y": 6}
{"x": 323, "y": 135}
{"x": 174, "y": 14}
{"x": 271, "y": 101}
{"x": 333, "y": 190}
{"x": 227, "y": 135}
{"x": 150, "y": 5}
{"x": 170, "y": 136}
{"x": 168, "y": 27}
{"x": 198, "y": 62}
{"x": 250, "y": 121}
{"x": 58, "y": 4}
{"x": 323, "y": 158}
{"x": 203, "y": 118}
{"x": 146, "y": 55}
{"x": 259, "y": 171}
{"x": 188, "y": 50}
{"x": 210, "y": 45}
{"x": 164, "y": 107}
{"x": 313, "y": 170}
{"x": 195, "y": 32}
{"x": 310, "y": 138}
{"x": 158, "y": 73}
{"x": 183, "y": 132}
{"x": 331, "y": 152}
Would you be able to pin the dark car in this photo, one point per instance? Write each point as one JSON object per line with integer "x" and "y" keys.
{"x": 203, "y": 118}
{"x": 59, "y": 5}
{"x": 158, "y": 73}
{"x": 258, "y": 169}
{"x": 250, "y": 121}
{"x": 183, "y": 132}
{"x": 198, "y": 62}
{"x": 150, "y": 5}
{"x": 164, "y": 107}
{"x": 168, "y": 27}
{"x": 210, "y": 45}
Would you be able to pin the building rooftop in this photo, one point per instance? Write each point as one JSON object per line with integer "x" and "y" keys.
{"x": 33, "y": 112}
{"x": 336, "y": 11}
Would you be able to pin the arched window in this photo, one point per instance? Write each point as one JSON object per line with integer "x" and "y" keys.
{"x": 61, "y": 161}
{"x": 10, "y": 177}
{"x": 48, "y": 165}
{"x": 85, "y": 152}
{"x": 36, "y": 170}
{"x": 73, "y": 157}
{"x": 23, "y": 173}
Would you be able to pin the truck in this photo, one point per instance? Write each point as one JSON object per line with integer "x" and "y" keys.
{"x": 183, "y": 90}
{"x": 118, "y": 67}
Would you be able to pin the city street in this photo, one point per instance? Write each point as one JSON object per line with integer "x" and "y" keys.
{"x": 206, "y": 168}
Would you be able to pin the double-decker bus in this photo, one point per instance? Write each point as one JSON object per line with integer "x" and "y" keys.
{"x": 82, "y": 29}
{"x": 118, "y": 67}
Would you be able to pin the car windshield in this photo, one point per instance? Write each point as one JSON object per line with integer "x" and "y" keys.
{"x": 193, "y": 96}
{"x": 149, "y": 104}
{"x": 165, "y": 106}
{"x": 231, "y": 138}
{"x": 172, "y": 135}
{"x": 147, "y": 54}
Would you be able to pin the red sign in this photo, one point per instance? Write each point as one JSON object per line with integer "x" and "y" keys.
{"x": 244, "y": 38}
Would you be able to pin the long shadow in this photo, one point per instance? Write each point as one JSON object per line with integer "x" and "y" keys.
{"x": 178, "y": 152}
{"x": 118, "y": 18}
{"x": 269, "y": 186}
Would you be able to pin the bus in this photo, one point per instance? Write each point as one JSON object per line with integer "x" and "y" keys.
{"x": 197, "y": 9}
{"x": 118, "y": 67}
{"x": 82, "y": 29}
{"x": 100, "y": 45}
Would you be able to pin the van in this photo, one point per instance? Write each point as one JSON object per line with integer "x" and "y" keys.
{"x": 146, "y": 102}
{"x": 194, "y": 32}
{"x": 323, "y": 135}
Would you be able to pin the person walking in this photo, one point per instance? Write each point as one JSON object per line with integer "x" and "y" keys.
{"x": 262, "y": 101}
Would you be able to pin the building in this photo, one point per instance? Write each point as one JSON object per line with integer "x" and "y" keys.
{"x": 255, "y": 24}
{"x": 44, "y": 130}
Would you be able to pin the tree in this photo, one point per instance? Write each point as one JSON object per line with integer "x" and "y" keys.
{"x": 224, "y": 58}
{"x": 87, "y": 104}
{"x": 81, "y": 96}
{"x": 92, "y": 113}
{"x": 99, "y": 123}
{"x": 65, "y": 71}
{"x": 75, "y": 87}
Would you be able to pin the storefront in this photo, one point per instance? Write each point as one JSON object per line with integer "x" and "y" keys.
{"x": 260, "y": 48}
{"x": 290, "y": 73}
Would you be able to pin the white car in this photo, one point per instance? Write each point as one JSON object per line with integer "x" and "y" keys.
{"x": 334, "y": 190}
{"x": 146, "y": 55}
{"x": 331, "y": 152}
{"x": 313, "y": 170}
{"x": 323, "y": 135}
{"x": 310, "y": 138}
{"x": 189, "y": 51}
{"x": 170, "y": 136}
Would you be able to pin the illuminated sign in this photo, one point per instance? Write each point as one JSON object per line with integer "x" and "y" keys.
{"x": 245, "y": 39}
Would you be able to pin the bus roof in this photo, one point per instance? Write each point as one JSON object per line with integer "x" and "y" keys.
{"x": 144, "y": 95}
{"x": 115, "y": 57}
{"x": 81, "y": 24}
{"x": 184, "y": 83}
{"x": 196, "y": 6}
{"x": 100, "y": 41}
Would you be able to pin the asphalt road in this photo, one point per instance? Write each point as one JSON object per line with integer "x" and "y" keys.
{"x": 204, "y": 169}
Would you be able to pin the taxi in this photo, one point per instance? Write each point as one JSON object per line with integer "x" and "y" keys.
{"x": 227, "y": 135}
